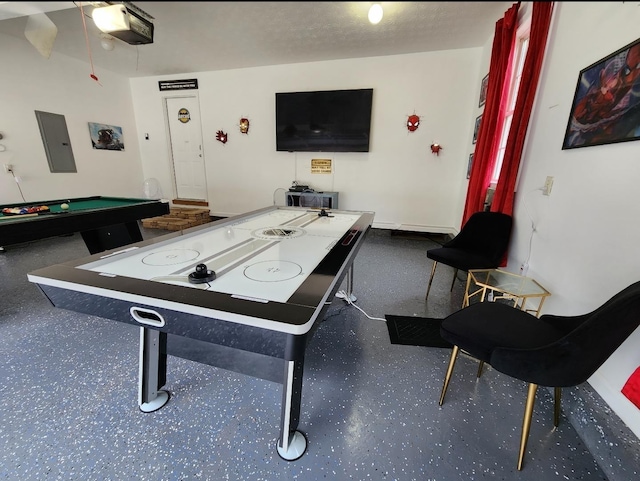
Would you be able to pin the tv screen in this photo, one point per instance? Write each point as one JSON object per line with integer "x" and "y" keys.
{"x": 323, "y": 121}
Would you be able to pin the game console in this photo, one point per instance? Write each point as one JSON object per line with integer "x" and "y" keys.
{"x": 300, "y": 188}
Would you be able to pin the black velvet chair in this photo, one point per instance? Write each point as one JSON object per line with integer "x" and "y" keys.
{"x": 553, "y": 351}
{"x": 481, "y": 244}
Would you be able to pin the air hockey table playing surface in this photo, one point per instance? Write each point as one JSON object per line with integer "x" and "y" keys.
{"x": 275, "y": 269}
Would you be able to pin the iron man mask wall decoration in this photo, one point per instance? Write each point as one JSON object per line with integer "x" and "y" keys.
{"x": 244, "y": 125}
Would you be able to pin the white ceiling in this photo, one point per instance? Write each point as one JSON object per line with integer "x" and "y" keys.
{"x": 207, "y": 36}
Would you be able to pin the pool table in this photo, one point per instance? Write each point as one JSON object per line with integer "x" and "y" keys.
{"x": 104, "y": 222}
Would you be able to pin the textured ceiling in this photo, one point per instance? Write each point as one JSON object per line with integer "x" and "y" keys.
{"x": 205, "y": 36}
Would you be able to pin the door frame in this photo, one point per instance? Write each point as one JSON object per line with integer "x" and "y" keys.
{"x": 172, "y": 167}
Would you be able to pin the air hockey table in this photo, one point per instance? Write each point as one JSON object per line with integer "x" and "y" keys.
{"x": 244, "y": 293}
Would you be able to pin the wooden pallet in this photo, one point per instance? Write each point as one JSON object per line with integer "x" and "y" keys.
{"x": 178, "y": 218}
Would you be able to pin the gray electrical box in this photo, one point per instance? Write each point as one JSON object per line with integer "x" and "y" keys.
{"x": 57, "y": 146}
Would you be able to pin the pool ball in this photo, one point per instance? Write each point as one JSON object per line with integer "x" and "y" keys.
{"x": 64, "y": 206}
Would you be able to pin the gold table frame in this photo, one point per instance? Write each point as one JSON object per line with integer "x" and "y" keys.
{"x": 510, "y": 286}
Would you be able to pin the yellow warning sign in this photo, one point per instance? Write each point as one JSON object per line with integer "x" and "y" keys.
{"x": 320, "y": 166}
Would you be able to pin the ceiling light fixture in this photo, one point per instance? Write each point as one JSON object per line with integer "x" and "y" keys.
{"x": 111, "y": 18}
{"x": 375, "y": 13}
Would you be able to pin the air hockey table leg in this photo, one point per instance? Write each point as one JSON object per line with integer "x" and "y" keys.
{"x": 292, "y": 443}
{"x": 153, "y": 370}
{"x": 350, "y": 293}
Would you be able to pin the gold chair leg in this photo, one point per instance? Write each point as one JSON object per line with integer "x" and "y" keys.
{"x": 447, "y": 378}
{"x": 433, "y": 271}
{"x": 557, "y": 397}
{"x": 480, "y": 366}
{"x": 465, "y": 298}
{"x": 526, "y": 422}
{"x": 455, "y": 274}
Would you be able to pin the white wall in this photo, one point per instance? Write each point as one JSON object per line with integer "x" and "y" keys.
{"x": 406, "y": 185}
{"x": 61, "y": 85}
{"x": 585, "y": 245}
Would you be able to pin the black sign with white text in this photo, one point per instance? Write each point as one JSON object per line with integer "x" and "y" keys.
{"x": 178, "y": 84}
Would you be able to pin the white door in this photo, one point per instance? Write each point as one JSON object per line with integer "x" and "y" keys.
{"x": 186, "y": 148}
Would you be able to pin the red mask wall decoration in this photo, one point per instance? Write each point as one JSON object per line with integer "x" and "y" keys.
{"x": 221, "y": 136}
{"x": 413, "y": 122}
{"x": 244, "y": 125}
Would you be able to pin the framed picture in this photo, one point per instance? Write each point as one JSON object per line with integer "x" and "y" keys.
{"x": 469, "y": 166}
{"x": 606, "y": 103}
{"x": 483, "y": 90}
{"x": 476, "y": 128}
{"x": 106, "y": 137}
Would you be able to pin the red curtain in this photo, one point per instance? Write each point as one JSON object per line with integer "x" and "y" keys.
{"x": 497, "y": 90}
{"x": 540, "y": 21}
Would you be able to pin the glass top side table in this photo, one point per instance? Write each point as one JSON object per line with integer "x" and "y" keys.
{"x": 513, "y": 287}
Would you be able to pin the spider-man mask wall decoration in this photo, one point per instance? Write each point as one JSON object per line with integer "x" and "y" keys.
{"x": 413, "y": 122}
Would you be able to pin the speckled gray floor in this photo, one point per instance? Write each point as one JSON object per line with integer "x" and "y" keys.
{"x": 68, "y": 394}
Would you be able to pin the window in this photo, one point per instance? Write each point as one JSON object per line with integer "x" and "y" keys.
{"x": 520, "y": 55}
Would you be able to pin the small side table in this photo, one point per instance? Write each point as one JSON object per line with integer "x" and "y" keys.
{"x": 510, "y": 286}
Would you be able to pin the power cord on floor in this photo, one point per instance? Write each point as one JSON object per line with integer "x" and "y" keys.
{"x": 347, "y": 298}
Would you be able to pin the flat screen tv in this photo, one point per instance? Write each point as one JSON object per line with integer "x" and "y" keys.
{"x": 323, "y": 121}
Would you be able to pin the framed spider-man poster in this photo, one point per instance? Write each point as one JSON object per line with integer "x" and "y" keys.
{"x": 606, "y": 103}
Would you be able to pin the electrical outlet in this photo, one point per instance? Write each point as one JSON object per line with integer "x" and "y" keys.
{"x": 8, "y": 168}
{"x": 546, "y": 190}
